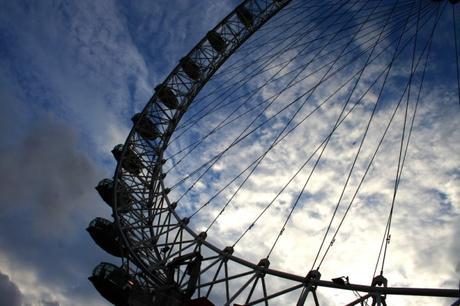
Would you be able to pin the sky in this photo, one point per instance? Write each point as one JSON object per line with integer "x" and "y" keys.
{"x": 72, "y": 75}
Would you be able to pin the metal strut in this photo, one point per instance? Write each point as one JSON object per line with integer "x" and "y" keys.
{"x": 378, "y": 298}
{"x": 457, "y": 303}
{"x": 309, "y": 286}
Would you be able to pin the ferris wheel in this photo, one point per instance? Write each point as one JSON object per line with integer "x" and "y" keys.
{"x": 283, "y": 151}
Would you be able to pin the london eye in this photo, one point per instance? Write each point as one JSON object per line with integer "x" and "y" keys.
{"x": 281, "y": 160}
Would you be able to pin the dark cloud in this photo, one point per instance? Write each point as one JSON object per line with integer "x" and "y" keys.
{"x": 48, "y": 174}
{"x": 47, "y": 198}
{"x": 9, "y": 293}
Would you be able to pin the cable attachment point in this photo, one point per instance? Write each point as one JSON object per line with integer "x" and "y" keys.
{"x": 379, "y": 281}
{"x": 172, "y": 206}
{"x": 388, "y": 239}
{"x": 332, "y": 242}
{"x": 184, "y": 222}
{"x": 227, "y": 251}
{"x": 262, "y": 267}
{"x": 313, "y": 275}
{"x": 377, "y": 298}
{"x": 201, "y": 237}
{"x": 309, "y": 286}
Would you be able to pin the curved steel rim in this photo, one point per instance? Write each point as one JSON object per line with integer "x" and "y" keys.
{"x": 239, "y": 38}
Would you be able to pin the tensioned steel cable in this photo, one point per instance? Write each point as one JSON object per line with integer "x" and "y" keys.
{"x": 247, "y": 127}
{"x": 413, "y": 119}
{"x": 291, "y": 131}
{"x": 291, "y": 48}
{"x": 302, "y": 33}
{"x": 246, "y": 51}
{"x": 318, "y": 147}
{"x": 427, "y": 46}
{"x": 400, "y": 158}
{"x": 255, "y": 161}
{"x": 329, "y": 138}
{"x": 280, "y": 64}
{"x": 359, "y": 149}
{"x": 224, "y": 125}
{"x": 243, "y": 80}
{"x": 196, "y": 143}
{"x": 237, "y": 99}
{"x": 285, "y": 185}
{"x": 245, "y": 136}
{"x": 314, "y": 15}
{"x": 279, "y": 39}
{"x": 385, "y": 237}
{"x": 297, "y": 19}
{"x": 224, "y": 122}
{"x": 262, "y": 157}
{"x": 354, "y": 80}
{"x": 264, "y": 64}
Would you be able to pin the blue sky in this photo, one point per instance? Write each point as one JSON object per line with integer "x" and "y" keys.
{"x": 72, "y": 73}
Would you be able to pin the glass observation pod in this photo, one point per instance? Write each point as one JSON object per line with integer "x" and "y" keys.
{"x": 167, "y": 96}
{"x": 105, "y": 234}
{"x": 131, "y": 163}
{"x": 245, "y": 16}
{"x": 191, "y": 69}
{"x": 145, "y": 127}
{"x": 114, "y": 284}
{"x": 119, "y": 288}
{"x": 216, "y": 41}
{"x": 105, "y": 190}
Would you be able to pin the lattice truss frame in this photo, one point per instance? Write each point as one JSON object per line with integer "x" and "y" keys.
{"x": 162, "y": 251}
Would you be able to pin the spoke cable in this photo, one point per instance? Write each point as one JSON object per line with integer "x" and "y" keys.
{"x": 329, "y": 138}
{"x": 427, "y": 46}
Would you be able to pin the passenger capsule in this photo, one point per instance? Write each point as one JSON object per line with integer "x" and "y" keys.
{"x": 105, "y": 235}
{"x": 245, "y": 16}
{"x": 216, "y": 41}
{"x": 105, "y": 190}
{"x": 113, "y": 283}
{"x": 192, "y": 70}
{"x": 145, "y": 127}
{"x": 167, "y": 96}
{"x": 131, "y": 162}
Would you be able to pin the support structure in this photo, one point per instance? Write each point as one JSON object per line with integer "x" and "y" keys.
{"x": 170, "y": 261}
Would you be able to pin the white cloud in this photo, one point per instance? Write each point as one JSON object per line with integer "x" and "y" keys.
{"x": 427, "y": 204}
